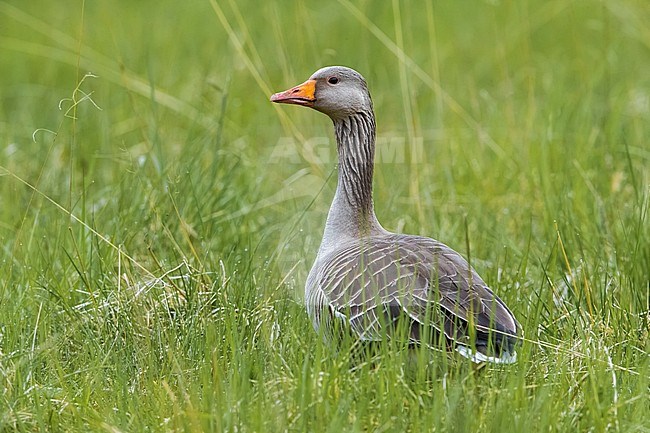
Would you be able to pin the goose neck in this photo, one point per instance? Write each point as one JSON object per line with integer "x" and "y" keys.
{"x": 355, "y": 139}
{"x": 352, "y": 214}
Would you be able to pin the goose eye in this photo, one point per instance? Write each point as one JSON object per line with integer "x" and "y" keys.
{"x": 332, "y": 80}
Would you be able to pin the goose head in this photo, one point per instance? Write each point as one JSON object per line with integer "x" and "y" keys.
{"x": 336, "y": 91}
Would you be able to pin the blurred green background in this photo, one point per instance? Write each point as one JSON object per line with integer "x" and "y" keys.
{"x": 158, "y": 215}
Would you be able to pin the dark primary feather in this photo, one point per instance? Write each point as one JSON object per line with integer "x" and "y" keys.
{"x": 372, "y": 282}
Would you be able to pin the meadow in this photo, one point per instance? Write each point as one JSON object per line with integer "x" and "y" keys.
{"x": 158, "y": 215}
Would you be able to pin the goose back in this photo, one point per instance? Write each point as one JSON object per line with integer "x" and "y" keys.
{"x": 370, "y": 284}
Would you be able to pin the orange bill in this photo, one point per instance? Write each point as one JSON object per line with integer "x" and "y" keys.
{"x": 303, "y": 94}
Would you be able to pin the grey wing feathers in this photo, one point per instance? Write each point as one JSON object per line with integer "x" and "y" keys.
{"x": 378, "y": 280}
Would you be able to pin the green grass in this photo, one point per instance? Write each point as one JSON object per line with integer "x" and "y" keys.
{"x": 156, "y": 235}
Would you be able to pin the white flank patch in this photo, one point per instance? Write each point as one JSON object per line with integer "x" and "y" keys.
{"x": 478, "y": 357}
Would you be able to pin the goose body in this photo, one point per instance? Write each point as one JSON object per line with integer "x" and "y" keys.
{"x": 367, "y": 279}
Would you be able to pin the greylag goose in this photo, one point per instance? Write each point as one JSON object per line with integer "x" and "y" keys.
{"x": 366, "y": 279}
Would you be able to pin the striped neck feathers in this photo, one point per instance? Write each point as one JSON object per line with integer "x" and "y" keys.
{"x": 355, "y": 138}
